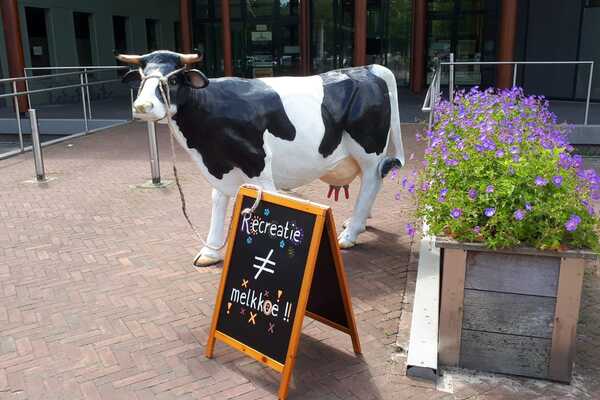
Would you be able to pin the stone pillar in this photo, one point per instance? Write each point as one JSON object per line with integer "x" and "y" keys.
{"x": 360, "y": 32}
{"x": 14, "y": 46}
{"x": 419, "y": 46}
{"x": 227, "y": 58}
{"x": 506, "y": 42}
{"x": 185, "y": 26}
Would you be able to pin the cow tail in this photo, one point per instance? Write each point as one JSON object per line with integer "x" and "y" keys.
{"x": 395, "y": 157}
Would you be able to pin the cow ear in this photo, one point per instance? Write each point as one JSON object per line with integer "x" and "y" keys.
{"x": 195, "y": 79}
{"x": 132, "y": 78}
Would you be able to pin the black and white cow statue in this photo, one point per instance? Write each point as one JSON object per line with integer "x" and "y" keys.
{"x": 277, "y": 133}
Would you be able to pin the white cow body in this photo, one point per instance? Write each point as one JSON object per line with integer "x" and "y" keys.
{"x": 293, "y": 163}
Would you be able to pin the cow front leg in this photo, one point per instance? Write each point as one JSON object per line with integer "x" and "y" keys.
{"x": 211, "y": 253}
{"x": 369, "y": 187}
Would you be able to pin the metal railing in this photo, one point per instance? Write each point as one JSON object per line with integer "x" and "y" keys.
{"x": 434, "y": 93}
{"x": 84, "y": 84}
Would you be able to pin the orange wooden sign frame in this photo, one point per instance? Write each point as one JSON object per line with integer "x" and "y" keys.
{"x": 323, "y": 224}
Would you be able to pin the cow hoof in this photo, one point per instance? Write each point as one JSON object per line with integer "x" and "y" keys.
{"x": 345, "y": 244}
{"x": 205, "y": 261}
{"x": 345, "y": 240}
{"x": 347, "y": 223}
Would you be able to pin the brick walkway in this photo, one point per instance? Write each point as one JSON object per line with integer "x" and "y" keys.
{"x": 98, "y": 298}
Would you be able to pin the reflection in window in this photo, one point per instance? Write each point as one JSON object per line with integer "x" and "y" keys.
{"x": 323, "y": 37}
{"x": 260, "y": 8}
{"x": 288, "y": 7}
{"x": 399, "y": 38}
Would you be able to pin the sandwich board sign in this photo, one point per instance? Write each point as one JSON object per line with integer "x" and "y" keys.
{"x": 282, "y": 263}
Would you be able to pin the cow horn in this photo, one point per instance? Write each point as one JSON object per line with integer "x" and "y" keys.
{"x": 129, "y": 58}
{"x": 190, "y": 58}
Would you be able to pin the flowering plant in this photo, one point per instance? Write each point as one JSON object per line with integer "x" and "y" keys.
{"x": 499, "y": 170}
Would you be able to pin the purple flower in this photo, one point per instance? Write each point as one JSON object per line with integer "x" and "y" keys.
{"x": 410, "y": 230}
{"x": 571, "y": 224}
{"x": 539, "y": 181}
{"x": 564, "y": 160}
{"x": 472, "y": 194}
{"x": 516, "y": 158}
{"x": 528, "y": 206}
{"x": 404, "y": 180}
{"x": 456, "y": 213}
{"x": 451, "y": 162}
{"x": 489, "y": 189}
{"x": 519, "y": 214}
{"x": 588, "y": 206}
{"x": 477, "y": 229}
{"x": 411, "y": 188}
{"x": 557, "y": 180}
{"x": 499, "y": 153}
{"x": 397, "y": 196}
{"x": 489, "y": 212}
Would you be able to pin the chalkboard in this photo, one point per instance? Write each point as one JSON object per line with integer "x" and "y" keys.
{"x": 266, "y": 269}
{"x": 325, "y": 298}
{"x": 282, "y": 263}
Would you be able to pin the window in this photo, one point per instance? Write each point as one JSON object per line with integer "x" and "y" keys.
{"x": 38, "y": 37}
{"x": 152, "y": 34}
{"x": 120, "y": 33}
{"x": 592, "y": 3}
{"x": 81, "y": 21}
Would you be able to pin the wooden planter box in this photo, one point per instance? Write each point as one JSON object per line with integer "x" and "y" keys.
{"x": 510, "y": 311}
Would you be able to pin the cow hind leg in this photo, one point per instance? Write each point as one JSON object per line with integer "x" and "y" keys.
{"x": 369, "y": 187}
{"x": 211, "y": 254}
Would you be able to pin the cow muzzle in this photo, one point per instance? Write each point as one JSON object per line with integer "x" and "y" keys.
{"x": 142, "y": 107}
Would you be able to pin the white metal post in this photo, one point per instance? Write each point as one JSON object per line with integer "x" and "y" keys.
{"x": 38, "y": 160}
{"x": 154, "y": 159}
{"x": 85, "y": 120}
{"x": 589, "y": 93}
{"x": 515, "y": 75}
{"x": 87, "y": 92}
{"x": 18, "y": 116}
{"x": 451, "y": 80}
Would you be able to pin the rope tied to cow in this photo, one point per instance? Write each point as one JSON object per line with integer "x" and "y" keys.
{"x": 165, "y": 93}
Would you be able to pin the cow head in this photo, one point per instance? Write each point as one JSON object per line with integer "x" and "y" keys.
{"x": 153, "y": 69}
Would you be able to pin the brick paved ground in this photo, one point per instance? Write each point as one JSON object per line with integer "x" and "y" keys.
{"x": 98, "y": 298}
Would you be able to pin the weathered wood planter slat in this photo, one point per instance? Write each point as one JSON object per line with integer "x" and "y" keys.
{"x": 510, "y": 311}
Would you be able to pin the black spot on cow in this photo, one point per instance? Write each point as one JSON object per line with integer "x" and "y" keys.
{"x": 357, "y": 101}
{"x": 225, "y": 122}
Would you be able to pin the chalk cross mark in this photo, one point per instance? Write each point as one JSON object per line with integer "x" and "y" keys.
{"x": 263, "y": 267}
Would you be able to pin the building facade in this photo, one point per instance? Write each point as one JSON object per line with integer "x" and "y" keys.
{"x": 294, "y": 37}
{"x": 253, "y": 38}
{"x": 85, "y": 32}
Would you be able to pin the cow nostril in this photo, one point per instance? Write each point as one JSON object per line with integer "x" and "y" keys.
{"x": 143, "y": 107}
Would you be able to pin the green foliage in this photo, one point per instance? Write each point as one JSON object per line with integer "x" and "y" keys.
{"x": 499, "y": 170}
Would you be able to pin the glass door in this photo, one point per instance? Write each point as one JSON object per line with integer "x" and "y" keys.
{"x": 467, "y": 29}
{"x": 332, "y": 34}
{"x": 272, "y": 38}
